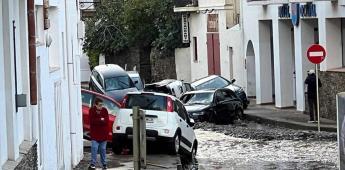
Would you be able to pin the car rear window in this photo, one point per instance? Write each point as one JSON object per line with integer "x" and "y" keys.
{"x": 213, "y": 84}
{"x": 147, "y": 102}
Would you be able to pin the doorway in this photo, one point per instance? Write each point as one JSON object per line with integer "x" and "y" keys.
{"x": 213, "y": 53}
{"x": 250, "y": 67}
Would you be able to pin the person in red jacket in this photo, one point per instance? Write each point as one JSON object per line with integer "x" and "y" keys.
{"x": 99, "y": 120}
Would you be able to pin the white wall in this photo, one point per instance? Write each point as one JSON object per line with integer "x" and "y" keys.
{"x": 328, "y": 31}
{"x": 198, "y": 28}
{"x": 182, "y": 62}
{"x": 3, "y": 132}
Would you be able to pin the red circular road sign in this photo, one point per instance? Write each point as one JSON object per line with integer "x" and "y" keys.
{"x": 316, "y": 54}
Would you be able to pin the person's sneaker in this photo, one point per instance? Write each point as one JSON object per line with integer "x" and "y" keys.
{"x": 92, "y": 167}
{"x": 105, "y": 167}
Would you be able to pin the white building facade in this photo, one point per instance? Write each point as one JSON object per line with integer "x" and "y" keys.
{"x": 276, "y": 49}
{"x": 52, "y": 128}
{"x": 215, "y": 37}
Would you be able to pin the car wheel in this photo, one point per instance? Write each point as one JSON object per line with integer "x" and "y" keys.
{"x": 213, "y": 118}
{"x": 245, "y": 106}
{"x": 117, "y": 147}
{"x": 240, "y": 114}
{"x": 193, "y": 153}
{"x": 175, "y": 145}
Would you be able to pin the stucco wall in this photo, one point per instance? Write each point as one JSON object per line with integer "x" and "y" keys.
{"x": 183, "y": 60}
{"x": 332, "y": 84}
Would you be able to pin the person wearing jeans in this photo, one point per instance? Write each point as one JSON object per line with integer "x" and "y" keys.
{"x": 311, "y": 91}
{"x": 99, "y": 120}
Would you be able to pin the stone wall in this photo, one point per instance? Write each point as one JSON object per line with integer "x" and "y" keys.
{"x": 332, "y": 84}
{"x": 152, "y": 65}
{"x": 133, "y": 58}
{"x": 163, "y": 65}
{"x": 29, "y": 160}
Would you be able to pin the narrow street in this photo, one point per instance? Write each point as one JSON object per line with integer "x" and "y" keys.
{"x": 255, "y": 146}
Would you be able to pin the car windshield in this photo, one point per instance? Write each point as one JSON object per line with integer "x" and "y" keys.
{"x": 198, "y": 98}
{"x": 147, "y": 102}
{"x": 215, "y": 83}
{"x": 118, "y": 83}
{"x": 139, "y": 85}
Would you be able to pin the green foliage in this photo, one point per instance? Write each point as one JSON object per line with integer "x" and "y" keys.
{"x": 119, "y": 24}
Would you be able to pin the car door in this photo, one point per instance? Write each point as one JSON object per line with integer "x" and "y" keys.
{"x": 186, "y": 142}
{"x": 221, "y": 104}
{"x": 97, "y": 82}
{"x": 232, "y": 99}
{"x": 87, "y": 101}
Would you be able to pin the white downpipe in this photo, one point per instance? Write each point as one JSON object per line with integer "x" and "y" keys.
{"x": 70, "y": 64}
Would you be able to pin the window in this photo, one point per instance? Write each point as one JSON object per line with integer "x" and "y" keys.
{"x": 220, "y": 96}
{"x": 215, "y": 83}
{"x": 195, "y": 42}
{"x": 147, "y": 102}
{"x": 99, "y": 79}
{"x": 118, "y": 83}
{"x": 180, "y": 110}
{"x": 229, "y": 95}
{"x": 198, "y": 98}
{"x": 86, "y": 99}
{"x": 111, "y": 107}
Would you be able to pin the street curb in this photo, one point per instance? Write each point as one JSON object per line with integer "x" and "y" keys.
{"x": 289, "y": 124}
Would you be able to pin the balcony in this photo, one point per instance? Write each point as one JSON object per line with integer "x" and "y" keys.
{"x": 186, "y": 5}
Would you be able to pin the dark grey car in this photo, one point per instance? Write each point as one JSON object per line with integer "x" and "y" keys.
{"x": 218, "y": 106}
{"x": 111, "y": 80}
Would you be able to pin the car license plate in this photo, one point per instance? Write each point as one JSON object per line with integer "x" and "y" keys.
{"x": 149, "y": 120}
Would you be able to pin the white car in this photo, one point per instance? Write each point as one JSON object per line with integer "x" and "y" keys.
{"x": 167, "y": 121}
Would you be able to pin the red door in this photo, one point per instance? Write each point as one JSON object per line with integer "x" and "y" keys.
{"x": 213, "y": 53}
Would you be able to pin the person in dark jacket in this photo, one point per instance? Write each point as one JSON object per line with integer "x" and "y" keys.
{"x": 311, "y": 93}
{"x": 99, "y": 120}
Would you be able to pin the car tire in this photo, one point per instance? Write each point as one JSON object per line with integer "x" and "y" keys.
{"x": 213, "y": 118}
{"x": 245, "y": 106}
{"x": 174, "y": 145}
{"x": 192, "y": 156}
{"x": 117, "y": 146}
{"x": 240, "y": 114}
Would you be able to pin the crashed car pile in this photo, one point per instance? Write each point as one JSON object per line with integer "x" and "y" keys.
{"x": 171, "y": 106}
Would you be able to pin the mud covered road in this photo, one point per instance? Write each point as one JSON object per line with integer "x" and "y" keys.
{"x": 248, "y": 145}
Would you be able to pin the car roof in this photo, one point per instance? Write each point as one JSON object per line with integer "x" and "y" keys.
{"x": 203, "y": 80}
{"x": 164, "y": 82}
{"x": 110, "y": 70}
{"x": 152, "y": 93}
{"x": 202, "y": 91}
{"x": 133, "y": 73}
{"x": 102, "y": 95}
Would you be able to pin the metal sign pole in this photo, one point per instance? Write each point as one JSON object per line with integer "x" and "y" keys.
{"x": 317, "y": 97}
{"x": 136, "y": 138}
{"x": 143, "y": 139}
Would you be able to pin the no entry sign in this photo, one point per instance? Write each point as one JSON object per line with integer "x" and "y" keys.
{"x": 316, "y": 54}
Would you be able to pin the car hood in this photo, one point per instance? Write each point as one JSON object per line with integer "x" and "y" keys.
{"x": 196, "y": 108}
{"x": 118, "y": 95}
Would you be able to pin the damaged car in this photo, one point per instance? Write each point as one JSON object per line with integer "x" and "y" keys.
{"x": 216, "y": 106}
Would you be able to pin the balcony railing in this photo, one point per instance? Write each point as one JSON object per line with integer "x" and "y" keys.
{"x": 185, "y": 3}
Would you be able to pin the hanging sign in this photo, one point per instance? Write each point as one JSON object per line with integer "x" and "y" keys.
{"x": 185, "y": 29}
{"x": 295, "y": 14}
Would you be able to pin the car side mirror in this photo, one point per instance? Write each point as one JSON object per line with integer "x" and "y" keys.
{"x": 191, "y": 122}
{"x": 233, "y": 80}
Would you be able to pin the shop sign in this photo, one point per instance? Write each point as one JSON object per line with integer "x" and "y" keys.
{"x": 212, "y": 23}
{"x": 185, "y": 29}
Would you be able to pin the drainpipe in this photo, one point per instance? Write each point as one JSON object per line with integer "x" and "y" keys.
{"x": 70, "y": 65}
{"x": 32, "y": 51}
{"x": 46, "y": 14}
